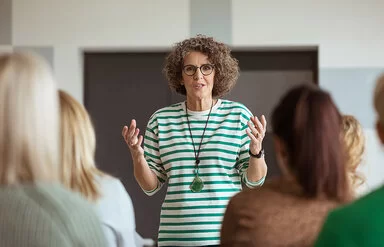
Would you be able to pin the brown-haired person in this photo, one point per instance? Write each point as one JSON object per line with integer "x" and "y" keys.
{"x": 200, "y": 146}
{"x": 35, "y": 209}
{"x": 362, "y": 222}
{"x": 289, "y": 211}
{"x": 354, "y": 143}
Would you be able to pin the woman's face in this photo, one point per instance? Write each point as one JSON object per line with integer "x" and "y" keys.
{"x": 199, "y": 85}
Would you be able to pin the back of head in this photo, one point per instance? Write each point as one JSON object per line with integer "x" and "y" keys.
{"x": 354, "y": 142}
{"x": 379, "y": 99}
{"x": 308, "y": 122}
{"x": 28, "y": 120}
{"x": 78, "y": 144}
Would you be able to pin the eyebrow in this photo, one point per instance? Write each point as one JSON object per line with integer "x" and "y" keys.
{"x": 198, "y": 66}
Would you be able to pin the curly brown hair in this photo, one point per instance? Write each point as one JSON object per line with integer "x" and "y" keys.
{"x": 219, "y": 54}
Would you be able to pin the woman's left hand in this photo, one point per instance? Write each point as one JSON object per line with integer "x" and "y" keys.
{"x": 256, "y": 133}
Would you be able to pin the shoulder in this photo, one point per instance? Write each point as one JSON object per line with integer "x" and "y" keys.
{"x": 255, "y": 198}
{"x": 47, "y": 194}
{"x": 364, "y": 216}
{"x": 65, "y": 200}
{"x": 233, "y": 105}
{"x": 109, "y": 182}
{"x": 173, "y": 109}
{"x": 361, "y": 210}
{"x": 236, "y": 108}
{"x": 53, "y": 205}
{"x": 112, "y": 190}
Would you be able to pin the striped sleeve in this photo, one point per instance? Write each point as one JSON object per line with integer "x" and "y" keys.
{"x": 152, "y": 154}
{"x": 243, "y": 155}
{"x": 243, "y": 158}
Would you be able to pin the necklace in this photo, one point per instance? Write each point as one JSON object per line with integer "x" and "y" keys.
{"x": 197, "y": 184}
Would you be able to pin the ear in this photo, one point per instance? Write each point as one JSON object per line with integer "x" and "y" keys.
{"x": 282, "y": 157}
{"x": 279, "y": 146}
{"x": 380, "y": 131}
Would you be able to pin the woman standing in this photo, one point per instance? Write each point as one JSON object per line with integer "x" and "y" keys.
{"x": 205, "y": 147}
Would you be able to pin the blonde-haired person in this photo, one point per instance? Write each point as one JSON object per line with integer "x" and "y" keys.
{"x": 35, "y": 209}
{"x": 112, "y": 202}
{"x": 361, "y": 223}
{"x": 354, "y": 141}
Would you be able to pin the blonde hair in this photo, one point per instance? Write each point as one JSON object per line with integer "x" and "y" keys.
{"x": 78, "y": 144}
{"x": 354, "y": 142}
{"x": 28, "y": 120}
{"x": 379, "y": 99}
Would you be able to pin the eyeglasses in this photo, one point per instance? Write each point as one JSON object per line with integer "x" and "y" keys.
{"x": 206, "y": 69}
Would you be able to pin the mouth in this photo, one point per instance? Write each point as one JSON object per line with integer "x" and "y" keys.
{"x": 198, "y": 86}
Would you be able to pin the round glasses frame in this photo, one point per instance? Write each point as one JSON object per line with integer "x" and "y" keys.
{"x": 193, "y": 72}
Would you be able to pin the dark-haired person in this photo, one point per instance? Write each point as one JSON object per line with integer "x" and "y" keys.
{"x": 289, "y": 211}
{"x": 200, "y": 146}
{"x": 362, "y": 222}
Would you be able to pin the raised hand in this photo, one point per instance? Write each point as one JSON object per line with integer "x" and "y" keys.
{"x": 132, "y": 138}
{"x": 256, "y": 133}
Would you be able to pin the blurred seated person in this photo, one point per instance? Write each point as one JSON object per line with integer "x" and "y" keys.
{"x": 35, "y": 209}
{"x": 289, "y": 210}
{"x": 79, "y": 173}
{"x": 362, "y": 222}
{"x": 354, "y": 141}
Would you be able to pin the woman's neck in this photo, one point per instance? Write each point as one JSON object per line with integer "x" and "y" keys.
{"x": 200, "y": 104}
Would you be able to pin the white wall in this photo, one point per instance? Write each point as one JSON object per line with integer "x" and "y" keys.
{"x": 99, "y": 22}
{"x": 350, "y": 37}
{"x": 72, "y": 26}
{"x": 373, "y": 166}
{"x": 348, "y": 32}
{"x": 5, "y": 49}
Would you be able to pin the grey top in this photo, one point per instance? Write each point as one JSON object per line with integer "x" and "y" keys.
{"x": 46, "y": 215}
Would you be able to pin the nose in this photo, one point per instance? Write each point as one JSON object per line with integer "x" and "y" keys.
{"x": 198, "y": 75}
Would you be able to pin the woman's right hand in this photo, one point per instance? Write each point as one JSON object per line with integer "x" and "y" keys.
{"x": 133, "y": 140}
{"x": 146, "y": 178}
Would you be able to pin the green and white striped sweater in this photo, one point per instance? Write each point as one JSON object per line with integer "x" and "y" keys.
{"x": 188, "y": 218}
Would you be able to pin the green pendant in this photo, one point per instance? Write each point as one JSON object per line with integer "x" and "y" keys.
{"x": 197, "y": 185}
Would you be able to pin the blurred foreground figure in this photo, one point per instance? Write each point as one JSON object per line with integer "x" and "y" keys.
{"x": 35, "y": 210}
{"x": 80, "y": 174}
{"x": 354, "y": 142}
{"x": 361, "y": 223}
{"x": 290, "y": 210}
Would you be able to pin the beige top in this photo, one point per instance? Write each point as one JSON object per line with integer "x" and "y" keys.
{"x": 277, "y": 214}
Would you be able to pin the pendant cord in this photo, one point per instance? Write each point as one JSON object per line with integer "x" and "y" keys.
{"x": 197, "y": 161}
